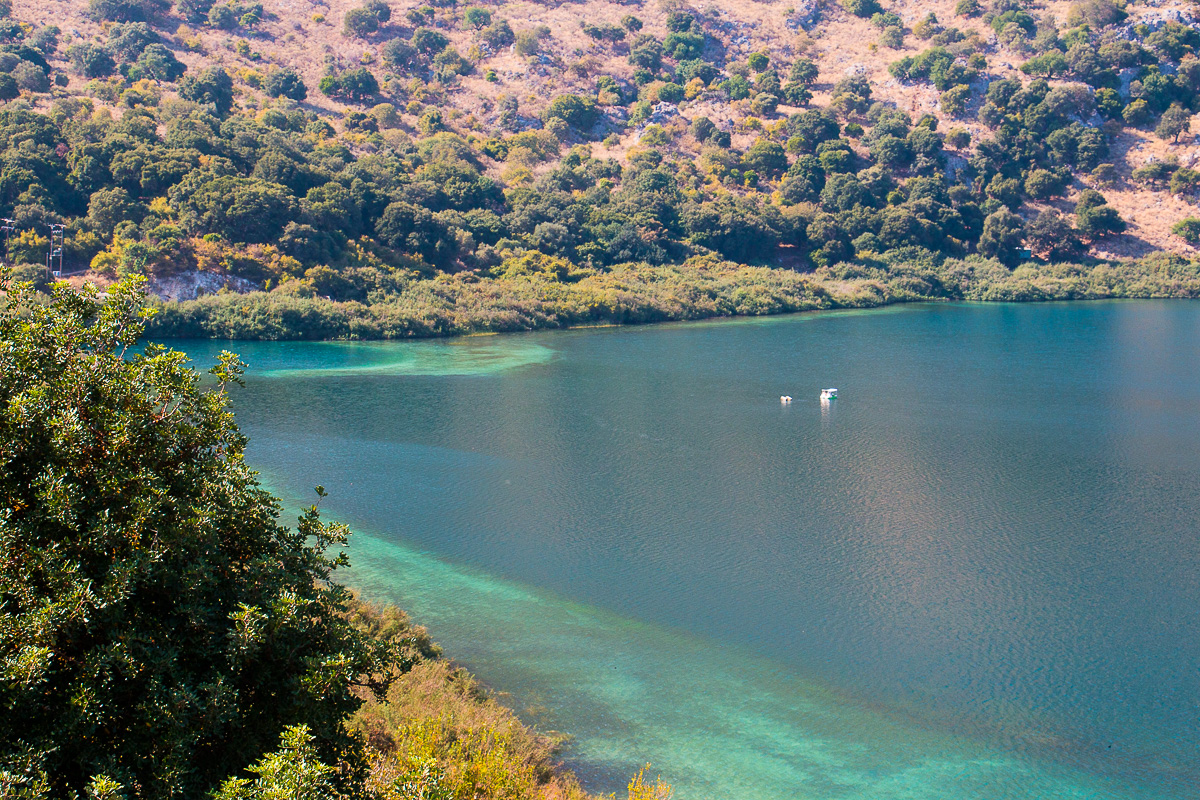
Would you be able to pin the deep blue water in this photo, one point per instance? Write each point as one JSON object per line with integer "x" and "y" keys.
{"x": 974, "y": 575}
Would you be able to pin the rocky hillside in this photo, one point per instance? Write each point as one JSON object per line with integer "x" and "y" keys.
{"x": 414, "y": 139}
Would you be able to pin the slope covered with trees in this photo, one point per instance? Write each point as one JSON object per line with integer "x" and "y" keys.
{"x": 469, "y": 170}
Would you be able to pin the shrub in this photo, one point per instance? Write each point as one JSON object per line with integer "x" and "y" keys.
{"x": 1099, "y": 221}
{"x": 967, "y": 8}
{"x": 576, "y": 110}
{"x": 285, "y": 82}
{"x": 170, "y": 546}
{"x": 359, "y": 22}
{"x": 429, "y": 42}
{"x": 1137, "y": 113}
{"x": 861, "y": 8}
{"x": 126, "y": 10}
{"x": 1003, "y": 234}
{"x": 212, "y": 86}
{"x": 1174, "y": 121}
{"x": 30, "y": 77}
{"x": 893, "y": 37}
{"x": 954, "y": 100}
{"x": 1155, "y": 173}
{"x": 1042, "y": 184}
{"x": 1188, "y": 230}
{"x": 476, "y": 17}
{"x": 1184, "y": 181}
{"x": 8, "y": 87}
{"x": 90, "y": 59}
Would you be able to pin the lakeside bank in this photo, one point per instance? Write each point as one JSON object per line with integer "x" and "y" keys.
{"x": 702, "y": 288}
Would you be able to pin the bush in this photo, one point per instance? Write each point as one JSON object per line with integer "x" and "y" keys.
{"x": 91, "y": 60}
{"x": 1042, "y": 184}
{"x": 170, "y": 546}
{"x": 861, "y": 8}
{"x": 212, "y": 86}
{"x": 1099, "y": 221}
{"x": 126, "y": 10}
{"x": 1174, "y": 121}
{"x": 1003, "y": 234}
{"x": 955, "y": 99}
{"x": 285, "y": 82}
{"x": 360, "y": 22}
{"x": 1188, "y": 230}
{"x": 8, "y": 87}
{"x": 31, "y": 78}
{"x": 1184, "y": 181}
{"x": 576, "y": 110}
{"x": 967, "y": 8}
{"x": 355, "y": 85}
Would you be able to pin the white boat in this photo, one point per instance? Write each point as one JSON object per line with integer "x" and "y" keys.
{"x": 829, "y": 394}
{"x": 785, "y": 398}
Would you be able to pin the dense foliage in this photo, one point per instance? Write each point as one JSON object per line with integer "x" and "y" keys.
{"x": 159, "y": 629}
{"x": 272, "y": 193}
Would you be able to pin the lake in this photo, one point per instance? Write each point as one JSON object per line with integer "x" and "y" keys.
{"x": 973, "y": 575}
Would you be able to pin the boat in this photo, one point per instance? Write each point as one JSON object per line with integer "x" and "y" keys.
{"x": 785, "y": 398}
{"x": 829, "y": 394}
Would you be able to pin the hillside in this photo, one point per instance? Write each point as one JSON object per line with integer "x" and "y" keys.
{"x": 419, "y": 169}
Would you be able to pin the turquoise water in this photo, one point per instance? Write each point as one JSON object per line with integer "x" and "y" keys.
{"x": 971, "y": 576}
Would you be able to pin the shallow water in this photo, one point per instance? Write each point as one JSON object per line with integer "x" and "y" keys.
{"x": 971, "y": 576}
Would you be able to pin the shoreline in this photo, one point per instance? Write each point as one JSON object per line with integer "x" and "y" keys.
{"x": 701, "y": 289}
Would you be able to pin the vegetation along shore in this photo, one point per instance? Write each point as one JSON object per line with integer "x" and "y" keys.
{"x": 395, "y": 169}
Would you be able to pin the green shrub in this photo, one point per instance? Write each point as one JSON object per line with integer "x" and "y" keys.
{"x": 1188, "y": 230}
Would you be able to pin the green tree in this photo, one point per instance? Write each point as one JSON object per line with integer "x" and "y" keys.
{"x": 1188, "y": 229}
{"x": 285, "y": 82}
{"x": 1175, "y": 120}
{"x": 8, "y": 87}
{"x": 126, "y": 10}
{"x": 1003, "y": 233}
{"x": 766, "y": 158}
{"x": 476, "y": 17}
{"x": 576, "y": 110}
{"x": 359, "y": 22}
{"x": 161, "y": 629}
{"x": 212, "y": 86}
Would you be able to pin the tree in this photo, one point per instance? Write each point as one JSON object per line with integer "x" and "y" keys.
{"x": 355, "y": 85}
{"x": 8, "y": 87}
{"x": 157, "y": 63}
{"x": 161, "y": 628}
{"x": 1052, "y": 236}
{"x": 476, "y": 17}
{"x": 766, "y": 158}
{"x": 240, "y": 209}
{"x": 212, "y": 86}
{"x": 861, "y": 8}
{"x": 1097, "y": 222}
{"x": 1003, "y": 233}
{"x": 428, "y": 41}
{"x": 1188, "y": 229}
{"x": 359, "y": 22}
{"x": 1175, "y": 120}
{"x": 30, "y": 77}
{"x": 758, "y": 61}
{"x": 285, "y": 82}
{"x": 90, "y": 59}
{"x": 576, "y": 110}
{"x": 126, "y": 10}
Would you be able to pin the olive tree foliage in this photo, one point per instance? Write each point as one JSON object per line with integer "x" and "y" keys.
{"x": 160, "y": 630}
